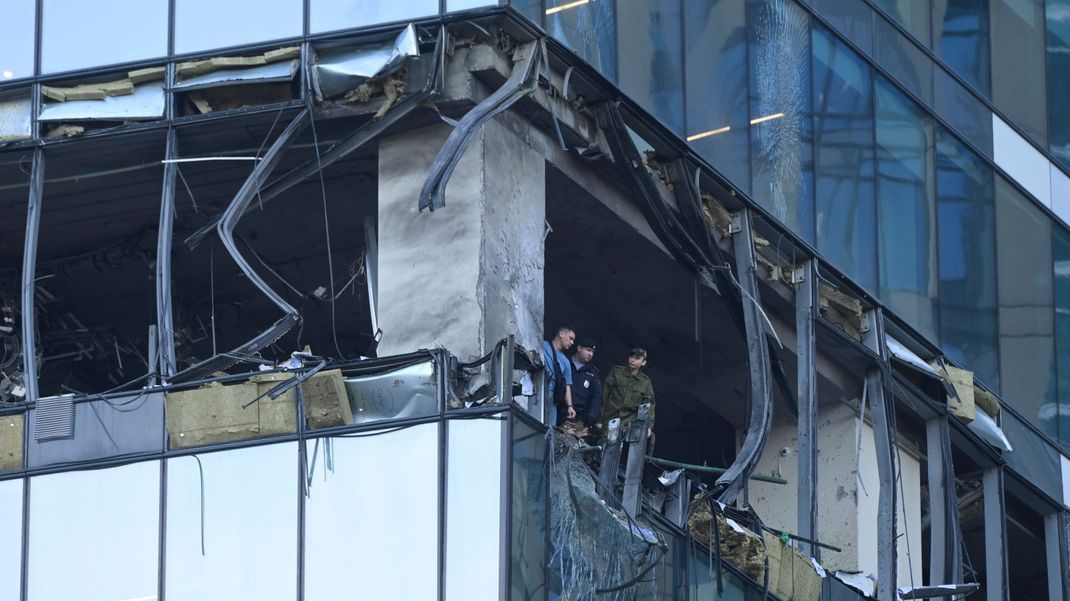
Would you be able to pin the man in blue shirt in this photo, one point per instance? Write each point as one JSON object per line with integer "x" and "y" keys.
{"x": 559, "y": 373}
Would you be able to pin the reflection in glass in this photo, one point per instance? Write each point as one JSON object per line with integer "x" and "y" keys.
{"x": 651, "y": 65}
{"x": 10, "y": 538}
{"x": 780, "y": 112}
{"x": 960, "y": 30}
{"x": 1058, "y": 57}
{"x": 371, "y": 517}
{"x": 912, "y": 14}
{"x": 473, "y": 513}
{"x": 1018, "y": 64}
{"x": 95, "y": 535}
{"x": 703, "y": 580}
{"x": 77, "y": 34}
{"x": 966, "y": 115}
{"x": 207, "y": 24}
{"x": 250, "y": 525}
{"x": 967, "y": 235}
{"x": 843, "y": 159}
{"x": 1032, "y": 456}
{"x": 715, "y": 39}
{"x": 906, "y": 63}
{"x": 588, "y": 29}
{"x": 906, "y": 209}
{"x": 329, "y": 15}
{"x": 530, "y": 520}
{"x": 16, "y": 44}
{"x": 1026, "y": 316}
{"x": 1061, "y": 252}
{"x": 854, "y": 20}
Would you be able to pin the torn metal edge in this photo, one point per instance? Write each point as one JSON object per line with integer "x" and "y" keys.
{"x": 165, "y": 327}
{"x": 29, "y": 275}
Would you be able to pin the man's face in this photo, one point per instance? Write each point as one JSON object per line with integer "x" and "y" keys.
{"x": 566, "y": 338}
{"x": 584, "y": 354}
{"x": 636, "y": 362}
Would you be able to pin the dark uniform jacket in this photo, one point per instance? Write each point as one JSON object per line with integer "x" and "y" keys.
{"x": 623, "y": 393}
{"x": 586, "y": 393}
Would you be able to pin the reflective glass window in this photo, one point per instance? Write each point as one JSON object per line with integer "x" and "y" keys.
{"x": 1058, "y": 57}
{"x": 329, "y": 15}
{"x": 371, "y": 516}
{"x": 960, "y": 32}
{"x": 17, "y": 43}
{"x": 854, "y": 20}
{"x": 1061, "y": 252}
{"x": 1018, "y": 64}
{"x": 78, "y": 34}
{"x": 207, "y": 24}
{"x": 651, "y": 63}
{"x": 903, "y": 60}
{"x": 967, "y": 234}
{"x": 1026, "y": 315}
{"x": 589, "y": 29}
{"x": 473, "y": 518}
{"x": 249, "y": 519}
{"x": 452, "y": 5}
{"x": 845, "y": 195}
{"x": 532, "y": 9}
{"x": 906, "y": 208}
{"x": 715, "y": 40}
{"x": 530, "y": 519}
{"x": 782, "y": 168}
{"x": 11, "y": 539}
{"x": 963, "y": 111}
{"x": 95, "y": 535}
{"x": 912, "y": 14}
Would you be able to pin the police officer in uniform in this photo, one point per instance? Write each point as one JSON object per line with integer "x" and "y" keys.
{"x": 586, "y": 383}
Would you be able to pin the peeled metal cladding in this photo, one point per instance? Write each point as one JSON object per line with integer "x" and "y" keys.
{"x": 338, "y": 70}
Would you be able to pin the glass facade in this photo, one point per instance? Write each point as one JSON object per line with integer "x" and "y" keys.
{"x": 204, "y": 24}
{"x": 331, "y": 15}
{"x": 589, "y": 29}
{"x": 651, "y": 58}
{"x": 1061, "y": 256}
{"x": 960, "y": 36}
{"x": 1058, "y": 62}
{"x": 530, "y": 509}
{"x": 11, "y": 538}
{"x": 77, "y": 34}
{"x": 1018, "y": 77}
{"x": 17, "y": 43}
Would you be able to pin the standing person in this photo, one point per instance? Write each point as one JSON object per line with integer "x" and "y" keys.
{"x": 559, "y": 373}
{"x": 586, "y": 383}
{"x": 626, "y": 388}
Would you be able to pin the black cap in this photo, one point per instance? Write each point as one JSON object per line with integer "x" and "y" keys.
{"x": 586, "y": 341}
{"x": 638, "y": 352}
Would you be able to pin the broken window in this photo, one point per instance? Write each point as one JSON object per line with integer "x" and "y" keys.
{"x": 15, "y": 171}
{"x": 11, "y": 538}
{"x": 232, "y": 524}
{"x": 372, "y": 515}
{"x": 17, "y": 43}
{"x": 329, "y": 15}
{"x": 16, "y": 116}
{"x": 77, "y": 34}
{"x": 96, "y": 254}
{"x": 969, "y": 491}
{"x": 1027, "y": 561}
{"x": 71, "y": 109}
{"x": 118, "y": 510}
{"x": 204, "y": 24}
{"x": 231, "y": 82}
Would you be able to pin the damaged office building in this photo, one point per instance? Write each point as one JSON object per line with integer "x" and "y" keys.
{"x": 275, "y": 279}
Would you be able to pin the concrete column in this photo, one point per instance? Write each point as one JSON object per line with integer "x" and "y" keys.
{"x": 468, "y": 274}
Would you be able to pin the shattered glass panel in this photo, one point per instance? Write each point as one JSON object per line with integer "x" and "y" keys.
{"x": 1018, "y": 59}
{"x": 960, "y": 35}
{"x": 97, "y": 529}
{"x": 208, "y": 24}
{"x": 1058, "y": 57}
{"x": 1026, "y": 314}
{"x": 17, "y": 43}
{"x": 529, "y": 532}
{"x": 651, "y": 63}
{"x": 11, "y": 538}
{"x": 906, "y": 209}
{"x": 78, "y": 34}
{"x": 249, "y": 544}
{"x": 407, "y": 392}
{"x": 371, "y": 517}
{"x": 587, "y": 28}
{"x": 329, "y": 15}
{"x": 473, "y": 517}
{"x": 16, "y": 118}
{"x": 845, "y": 194}
{"x": 968, "y": 319}
{"x": 780, "y": 123}
{"x": 716, "y": 45}
{"x": 103, "y": 428}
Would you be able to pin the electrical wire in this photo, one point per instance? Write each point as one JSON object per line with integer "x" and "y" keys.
{"x": 327, "y": 234}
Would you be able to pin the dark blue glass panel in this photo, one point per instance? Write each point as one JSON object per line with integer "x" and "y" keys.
{"x": 1061, "y": 252}
{"x": 651, "y": 62}
{"x": 1018, "y": 64}
{"x": 1058, "y": 19}
{"x": 530, "y": 489}
{"x": 912, "y": 14}
{"x": 1026, "y": 314}
{"x": 780, "y": 124}
{"x": 960, "y": 28}
{"x": 532, "y": 9}
{"x": 590, "y": 30}
{"x": 903, "y": 60}
{"x": 715, "y": 39}
{"x": 843, "y": 159}
{"x": 906, "y": 209}
{"x": 853, "y": 20}
{"x": 967, "y": 234}
{"x": 963, "y": 111}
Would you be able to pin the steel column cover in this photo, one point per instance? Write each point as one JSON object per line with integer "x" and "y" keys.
{"x": 1053, "y": 548}
{"x": 29, "y": 275}
{"x": 633, "y": 470}
{"x": 165, "y": 327}
{"x": 805, "y": 312}
{"x": 995, "y": 535}
{"x": 607, "y": 477}
{"x": 761, "y": 403}
{"x": 882, "y": 408}
{"x": 938, "y": 518}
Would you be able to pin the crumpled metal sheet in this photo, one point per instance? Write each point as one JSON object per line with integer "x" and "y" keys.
{"x": 902, "y": 353}
{"x": 271, "y": 73}
{"x": 340, "y": 69}
{"x": 407, "y": 392}
{"x": 146, "y": 103}
{"x": 16, "y": 118}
